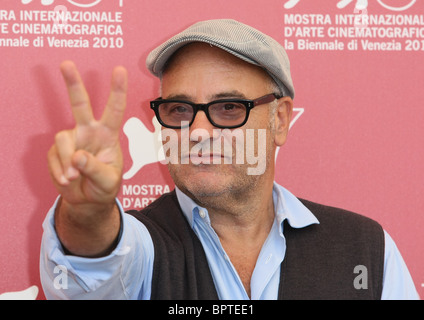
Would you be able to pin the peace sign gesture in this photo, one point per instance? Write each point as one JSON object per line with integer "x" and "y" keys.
{"x": 86, "y": 163}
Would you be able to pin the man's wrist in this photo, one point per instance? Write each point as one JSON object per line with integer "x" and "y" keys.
{"x": 87, "y": 230}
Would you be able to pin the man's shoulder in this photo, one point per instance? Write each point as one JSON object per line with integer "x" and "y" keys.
{"x": 339, "y": 216}
{"x": 163, "y": 214}
{"x": 166, "y": 200}
{"x": 321, "y": 259}
{"x": 343, "y": 228}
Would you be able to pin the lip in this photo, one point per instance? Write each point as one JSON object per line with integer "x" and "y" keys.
{"x": 207, "y": 158}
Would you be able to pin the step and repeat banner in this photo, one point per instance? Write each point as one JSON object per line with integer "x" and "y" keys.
{"x": 357, "y": 134}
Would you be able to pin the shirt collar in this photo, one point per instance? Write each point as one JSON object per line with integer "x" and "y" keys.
{"x": 188, "y": 206}
{"x": 286, "y": 206}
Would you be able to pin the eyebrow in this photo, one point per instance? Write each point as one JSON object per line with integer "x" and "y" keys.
{"x": 234, "y": 94}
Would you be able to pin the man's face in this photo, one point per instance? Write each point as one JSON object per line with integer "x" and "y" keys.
{"x": 200, "y": 73}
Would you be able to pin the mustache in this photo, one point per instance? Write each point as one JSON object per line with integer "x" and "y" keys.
{"x": 211, "y": 146}
{"x": 206, "y": 151}
{"x": 244, "y": 147}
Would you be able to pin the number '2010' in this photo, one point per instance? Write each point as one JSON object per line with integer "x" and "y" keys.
{"x": 108, "y": 43}
{"x": 414, "y": 45}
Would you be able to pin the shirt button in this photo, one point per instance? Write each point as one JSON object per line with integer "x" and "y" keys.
{"x": 202, "y": 213}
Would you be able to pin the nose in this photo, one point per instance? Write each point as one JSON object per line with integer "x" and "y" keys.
{"x": 201, "y": 121}
{"x": 203, "y": 128}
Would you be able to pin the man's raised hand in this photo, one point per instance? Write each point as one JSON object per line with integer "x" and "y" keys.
{"x": 86, "y": 164}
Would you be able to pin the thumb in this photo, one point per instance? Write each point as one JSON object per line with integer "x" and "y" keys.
{"x": 104, "y": 176}
{"x": 80, "y": 160}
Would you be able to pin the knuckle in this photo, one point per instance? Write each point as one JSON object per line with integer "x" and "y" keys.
{"x": 51, "y": 152}
{"x": 51, "y": 157}
{"x": 60, "y": 137}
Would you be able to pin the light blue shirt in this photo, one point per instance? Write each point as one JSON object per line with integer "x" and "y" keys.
{"x": 127, "y": 272}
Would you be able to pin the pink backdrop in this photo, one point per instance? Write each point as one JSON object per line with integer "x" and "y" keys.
{"x": 356, "y": 142}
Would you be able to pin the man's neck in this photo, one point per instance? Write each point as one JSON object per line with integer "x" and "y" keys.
{"x": 242, "y": 228}
{"x": 243, "y": 215}
{"x": 245, "y": 221}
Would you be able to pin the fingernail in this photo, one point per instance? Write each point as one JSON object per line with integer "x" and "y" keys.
{"x": 71, "y": 173}
{"x": 63, "y": 180}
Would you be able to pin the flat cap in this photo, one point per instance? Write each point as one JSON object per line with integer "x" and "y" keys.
{"x": 236, "y": 38}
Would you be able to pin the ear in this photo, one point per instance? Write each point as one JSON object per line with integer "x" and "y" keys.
{"x": 283, "y": 115}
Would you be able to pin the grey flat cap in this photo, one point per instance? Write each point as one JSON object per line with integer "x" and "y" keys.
{"x": 236, "y": 38}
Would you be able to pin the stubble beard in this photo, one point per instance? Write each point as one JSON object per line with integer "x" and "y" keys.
{"x": 239, "y": 186}
{"x": 225, "y": 185}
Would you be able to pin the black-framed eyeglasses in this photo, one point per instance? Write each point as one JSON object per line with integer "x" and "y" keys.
{"x": 224, "y": 113}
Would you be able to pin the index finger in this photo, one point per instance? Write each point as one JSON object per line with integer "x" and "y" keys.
{"x": 78, "y": 96}
{"x": 115, "y": 107}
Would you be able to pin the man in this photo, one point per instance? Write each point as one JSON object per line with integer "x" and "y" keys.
{"x": 226, "y": 231}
